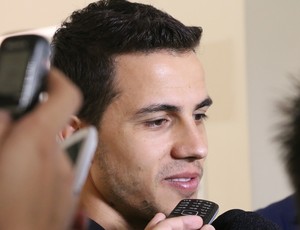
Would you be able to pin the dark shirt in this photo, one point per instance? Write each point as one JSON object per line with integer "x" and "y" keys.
{"x": 283, "y": 213}
{"x": 94, "y": 226}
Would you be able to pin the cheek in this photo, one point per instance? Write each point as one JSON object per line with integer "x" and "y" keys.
{"x": 153, "y": 146}
{"x": 144, "y": 155}
{"x": 128, "y": 150}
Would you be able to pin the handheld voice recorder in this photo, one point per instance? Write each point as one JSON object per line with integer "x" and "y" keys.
{"x": 24, "y": 64}
{"x": 81, "y": 148}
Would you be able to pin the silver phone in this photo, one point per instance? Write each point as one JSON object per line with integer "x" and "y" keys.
{"x": 81, "y": 147}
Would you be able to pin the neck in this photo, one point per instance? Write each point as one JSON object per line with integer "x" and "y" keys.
{"x": 97, "y": 209}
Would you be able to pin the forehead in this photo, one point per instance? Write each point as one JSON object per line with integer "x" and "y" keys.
{"x": 159, "y": 76}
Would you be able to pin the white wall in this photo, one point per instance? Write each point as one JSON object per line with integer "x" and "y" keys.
{"x": 273, "y": 52}
{"x": 18, "y": 14}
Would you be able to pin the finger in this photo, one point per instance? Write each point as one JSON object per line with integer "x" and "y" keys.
{"x": 190, "y": 222}
{"x": 208, "y": 227}
{"x": 5, "y": 122}
{"x": 181, "y": 222}
{"x": 156, "y": 219}
{"x": 64, "y": 99}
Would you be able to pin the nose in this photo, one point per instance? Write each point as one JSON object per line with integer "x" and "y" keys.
{"x": 190, "y": 142}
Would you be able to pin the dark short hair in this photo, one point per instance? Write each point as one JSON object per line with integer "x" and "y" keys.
{"x": 289, "y": 137}
{"x": 85, "y": 46}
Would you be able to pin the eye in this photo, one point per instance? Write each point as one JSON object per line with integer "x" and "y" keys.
{"x": 156, "y": 123}
{"x": 200, "y": 116}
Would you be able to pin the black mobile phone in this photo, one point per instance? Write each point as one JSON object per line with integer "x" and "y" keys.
{"x": 203, "y": 208}
{"x": 24, "y": 63}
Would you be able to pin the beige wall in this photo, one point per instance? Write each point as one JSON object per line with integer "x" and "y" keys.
{"x": 273, "y": 36}
{"x": 227, "y": 175}
{"x": 19, "y": 15}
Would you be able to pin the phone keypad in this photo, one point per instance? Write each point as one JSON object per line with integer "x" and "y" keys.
{"x": 203, "y": 208}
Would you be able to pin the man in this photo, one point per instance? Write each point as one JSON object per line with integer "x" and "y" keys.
{"x": 35, "y": 174}
{"x": 144, "y": 90}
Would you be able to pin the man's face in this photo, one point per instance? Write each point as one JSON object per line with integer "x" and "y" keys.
{"x": 152, "y": 136}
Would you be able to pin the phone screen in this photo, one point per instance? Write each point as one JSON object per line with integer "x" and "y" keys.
{"x": 12, "y": 71}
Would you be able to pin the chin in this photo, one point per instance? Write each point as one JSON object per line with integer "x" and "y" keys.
{"x": 168, "y": 199}
{"x": 170, "y": 205}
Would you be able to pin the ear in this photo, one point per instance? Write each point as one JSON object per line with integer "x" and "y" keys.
{"x": 73, "y": 125}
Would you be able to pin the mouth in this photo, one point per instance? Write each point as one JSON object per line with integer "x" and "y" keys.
{"x": 185, "y": 183}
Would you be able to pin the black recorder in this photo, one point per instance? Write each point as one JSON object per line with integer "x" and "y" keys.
{"x": 24, "y": 63}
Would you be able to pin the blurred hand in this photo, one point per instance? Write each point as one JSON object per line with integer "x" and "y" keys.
{"x": 35, "y": 175}
{"x": 160, "y": 222}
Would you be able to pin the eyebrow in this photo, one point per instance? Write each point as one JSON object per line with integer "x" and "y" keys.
{"x": 170, "y": 108}
{"x": 207, "y": 102}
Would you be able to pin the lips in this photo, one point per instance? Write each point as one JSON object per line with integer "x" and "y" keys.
{"x": 185, "y": 183}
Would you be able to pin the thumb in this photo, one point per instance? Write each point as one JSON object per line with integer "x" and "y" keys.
{"x": 155, "y": 220}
